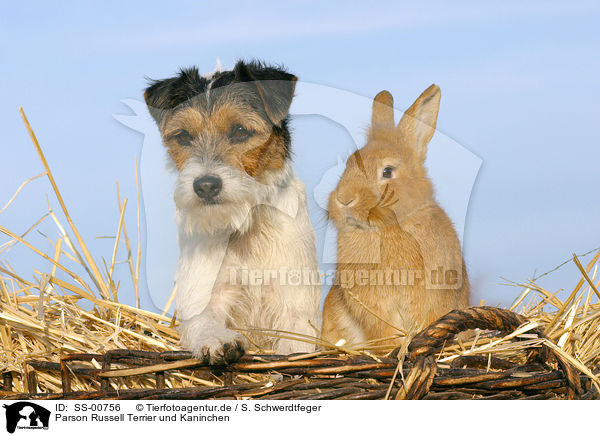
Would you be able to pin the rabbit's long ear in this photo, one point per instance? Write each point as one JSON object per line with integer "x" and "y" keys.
{"x": 383, "y": 112}
{"x": 418, "y": 123}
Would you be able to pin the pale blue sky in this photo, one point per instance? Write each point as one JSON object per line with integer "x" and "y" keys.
{"x": 519, "y": 86}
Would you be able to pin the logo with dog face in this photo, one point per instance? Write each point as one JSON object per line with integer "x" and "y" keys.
{"x": 26, "y": 415}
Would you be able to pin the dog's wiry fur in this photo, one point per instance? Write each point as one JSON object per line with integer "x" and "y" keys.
{"x": 233, "y": 125}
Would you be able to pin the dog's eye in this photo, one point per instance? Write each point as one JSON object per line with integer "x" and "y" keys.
{"x": 239, "y": 133}
{"x": 183, "y": 138}
{"x": 388, "y": 172}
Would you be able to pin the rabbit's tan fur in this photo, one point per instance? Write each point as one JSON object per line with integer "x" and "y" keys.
{"x": 392, "y": 226}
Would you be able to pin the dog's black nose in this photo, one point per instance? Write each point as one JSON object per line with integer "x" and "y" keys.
{"x": 207, "y": 187}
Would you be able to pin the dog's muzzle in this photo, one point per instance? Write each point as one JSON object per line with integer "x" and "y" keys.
{"x": 208, "y": 187}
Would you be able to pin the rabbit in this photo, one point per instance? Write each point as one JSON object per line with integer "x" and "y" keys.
{"x": 400, "y": 265}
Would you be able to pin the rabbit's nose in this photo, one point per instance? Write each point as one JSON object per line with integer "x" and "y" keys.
{"x": 346, "y": 201}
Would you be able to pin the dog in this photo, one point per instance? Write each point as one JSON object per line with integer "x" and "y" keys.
{"x": 241, "y": 213}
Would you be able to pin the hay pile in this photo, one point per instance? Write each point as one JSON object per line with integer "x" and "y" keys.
{"x": 51, "y": 317}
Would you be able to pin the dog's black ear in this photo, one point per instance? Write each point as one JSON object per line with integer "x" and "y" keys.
{"x": 274, "y": 86}
{"x": 157, "y": 96}
{"x": 164, "y": 95}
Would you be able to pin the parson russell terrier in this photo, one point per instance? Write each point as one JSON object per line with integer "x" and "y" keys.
{"x": 239, "y": 209}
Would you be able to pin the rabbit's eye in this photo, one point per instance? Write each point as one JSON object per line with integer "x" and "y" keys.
{"x": 388, "y": 172}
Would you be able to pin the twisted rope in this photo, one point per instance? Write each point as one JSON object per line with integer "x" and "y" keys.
{"x": 429, "y": 342}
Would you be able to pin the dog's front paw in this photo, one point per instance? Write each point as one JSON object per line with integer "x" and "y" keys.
{"x": 211, "y": 343}
{"x": 218, "y": 350}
